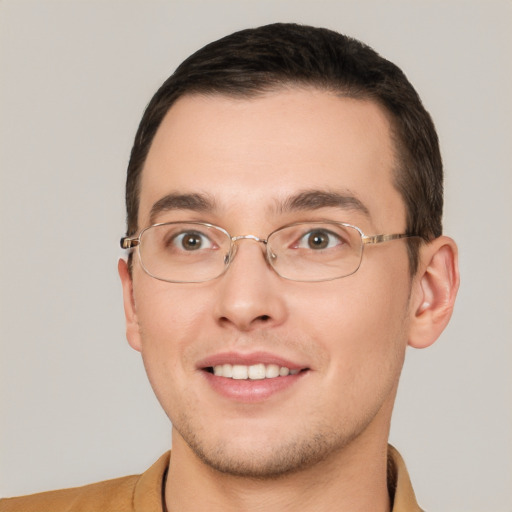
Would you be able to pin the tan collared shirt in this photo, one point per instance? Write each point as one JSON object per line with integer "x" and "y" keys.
{"x": 144, "y": 493}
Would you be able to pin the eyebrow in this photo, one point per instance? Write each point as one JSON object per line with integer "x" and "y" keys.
{"x": 193, "y": 202}
{"x": 317, "y": 199}
{"x": 303, "y": 201}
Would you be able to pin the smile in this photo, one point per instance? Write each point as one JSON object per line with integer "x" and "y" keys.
{"x": 251, "y": 377}
{"x": 253, "y": 372}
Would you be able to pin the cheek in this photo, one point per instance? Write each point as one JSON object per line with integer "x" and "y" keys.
{"x": 169, "y": 319}
{"x": 360, "y": 324}
{"x": 168, "y": 313}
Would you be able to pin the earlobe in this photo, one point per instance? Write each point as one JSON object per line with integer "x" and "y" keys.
{"x": 132, "y": 324}
{"x": 435, "y": 289}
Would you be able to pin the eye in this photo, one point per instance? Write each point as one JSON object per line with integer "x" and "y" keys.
{"x": 192, "y": 241}
{"x": 319, "y": 239}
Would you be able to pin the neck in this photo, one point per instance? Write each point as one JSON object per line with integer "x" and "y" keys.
{"x": 350, "y": 480}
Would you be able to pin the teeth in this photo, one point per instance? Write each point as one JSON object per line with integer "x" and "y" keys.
{"x": 227, "y": 370}
{"x": 272, "y": 371}
{"x": 254, "y": 372}
{"x": 240, "y": 372}
{"x": 257, "y": 372}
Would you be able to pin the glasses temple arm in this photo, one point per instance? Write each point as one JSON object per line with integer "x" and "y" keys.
{"x": 129, "y": 243}
{"x": 377, "y": 239}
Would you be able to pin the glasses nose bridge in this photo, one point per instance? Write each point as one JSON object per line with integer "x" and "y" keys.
{"x": 249, "y": 237}
{"x": 254, "y": 238}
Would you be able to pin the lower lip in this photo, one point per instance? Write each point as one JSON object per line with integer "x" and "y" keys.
{"x": 251, "y": 390}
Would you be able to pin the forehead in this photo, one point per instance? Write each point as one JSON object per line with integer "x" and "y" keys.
{"x": 251, "y": 154}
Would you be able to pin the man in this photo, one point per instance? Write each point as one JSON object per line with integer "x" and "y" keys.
{"x": 284, "y": 202}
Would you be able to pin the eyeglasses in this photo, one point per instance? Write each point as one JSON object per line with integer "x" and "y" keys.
{"x": 194, "y": 252}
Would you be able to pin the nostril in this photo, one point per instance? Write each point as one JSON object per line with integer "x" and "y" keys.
{"x": 264, "y": 318}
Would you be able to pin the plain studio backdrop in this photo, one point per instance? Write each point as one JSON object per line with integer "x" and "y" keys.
{"x": 75, "y": 77}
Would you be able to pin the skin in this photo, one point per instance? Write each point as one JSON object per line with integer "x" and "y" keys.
{"x": 331, "y": 425}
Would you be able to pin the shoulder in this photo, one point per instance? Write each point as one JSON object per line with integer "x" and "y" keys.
{"x": 126, "y": 494}
{"x": 112, "y": 495}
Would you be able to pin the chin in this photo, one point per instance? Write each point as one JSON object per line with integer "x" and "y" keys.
{"x": 266, "y": 457}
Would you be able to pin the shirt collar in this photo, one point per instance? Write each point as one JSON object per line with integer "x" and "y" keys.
{"x": 400, "y": 488}
{"x": 148, "y": 494}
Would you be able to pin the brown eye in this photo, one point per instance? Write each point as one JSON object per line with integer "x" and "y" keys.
{"x": 318, "y": 240}
{"x": 191, "y": 241}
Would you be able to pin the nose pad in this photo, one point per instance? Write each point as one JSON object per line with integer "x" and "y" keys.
{"x": 230, "y": 255}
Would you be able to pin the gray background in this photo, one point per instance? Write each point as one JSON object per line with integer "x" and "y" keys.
{"x": 74, "y": 79}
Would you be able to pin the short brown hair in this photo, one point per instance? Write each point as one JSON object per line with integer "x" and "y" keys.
{"x": 254, "y": 61}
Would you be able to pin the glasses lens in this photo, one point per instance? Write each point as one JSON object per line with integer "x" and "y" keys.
{"x": 315, "y": 251}
{"x": 184, "y": 252}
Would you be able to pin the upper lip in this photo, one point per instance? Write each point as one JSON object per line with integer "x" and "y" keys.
{"x": 248, "y": 359}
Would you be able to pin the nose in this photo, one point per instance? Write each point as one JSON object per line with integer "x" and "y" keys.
{"x": 251, "y": 293}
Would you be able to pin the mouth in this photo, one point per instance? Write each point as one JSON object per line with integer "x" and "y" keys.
{"x": 259, "y": 371}
{"x": 251, "y": 377}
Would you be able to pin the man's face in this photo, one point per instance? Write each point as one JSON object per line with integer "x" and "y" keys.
{"x": 249, "y": 158}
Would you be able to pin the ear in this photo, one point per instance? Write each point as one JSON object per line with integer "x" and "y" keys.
{"x": 434, "y": 291}
{"x": 132, "y": 324}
